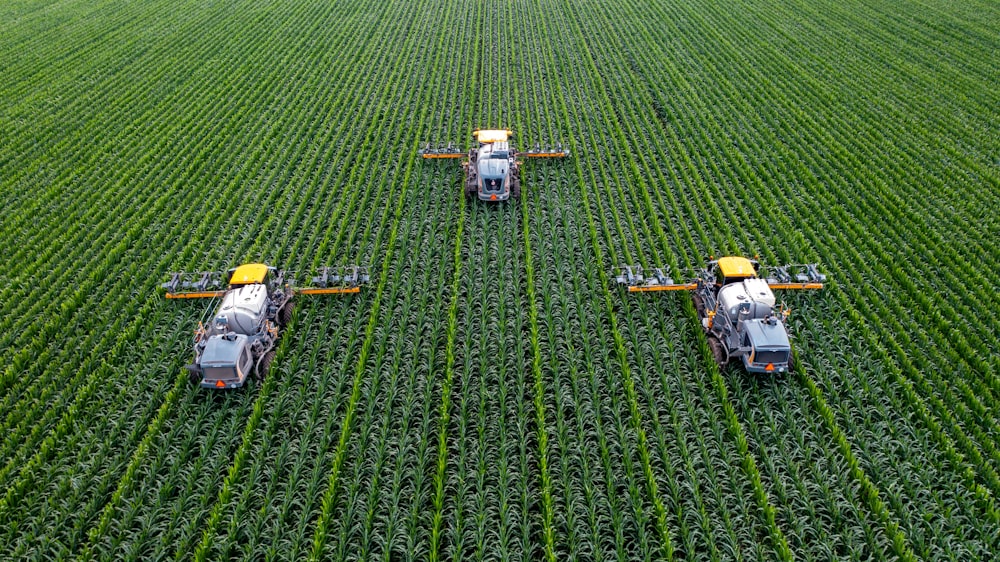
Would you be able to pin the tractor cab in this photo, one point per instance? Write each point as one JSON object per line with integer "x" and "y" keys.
{"x": 733, "y": 269}
{"x": 249, "y": 274}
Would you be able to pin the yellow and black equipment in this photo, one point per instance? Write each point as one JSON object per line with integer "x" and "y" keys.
{"x": 736, "y": 306}
{"x": 492, "y": 170}
{"x": 256, "y": 304}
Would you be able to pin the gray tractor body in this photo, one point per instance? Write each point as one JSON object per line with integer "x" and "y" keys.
{"x": 740, "y": 316}
{"x": 768, "y": 343}
{"x": 492, "y": 172}
{"x": 242, "y": 331}
{"x": 226, "y": 359}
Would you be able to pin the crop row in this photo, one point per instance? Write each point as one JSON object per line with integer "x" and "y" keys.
{"x": 492, "y": 395}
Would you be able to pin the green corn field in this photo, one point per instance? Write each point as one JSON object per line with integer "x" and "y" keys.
{"x": 492, "y": 394}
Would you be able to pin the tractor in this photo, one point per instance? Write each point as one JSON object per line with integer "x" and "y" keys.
{"x": 256, "y": 305}
{"x": 737, "y": 307}
{"x": 492, "y": 170}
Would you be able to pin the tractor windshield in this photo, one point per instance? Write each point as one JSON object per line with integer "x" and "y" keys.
{"x": 493, "y": 185}
{"x": 777, "y": 357}
{"x": 220, "y": 373}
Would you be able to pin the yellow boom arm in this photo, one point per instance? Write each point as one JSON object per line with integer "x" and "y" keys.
{"x": 196, "y": 295}
{"x": 794, "y": 286}
{"x": 670, "y": 287}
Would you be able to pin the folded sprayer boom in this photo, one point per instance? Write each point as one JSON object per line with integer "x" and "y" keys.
{"x": 632, "y": 277}
{"x": 208, "y": 284}
{"x": 442, "y": 152}
{"x": 795, "y": 276}
{"x": 336, "y": 280}
{"x": 194, "y": 285}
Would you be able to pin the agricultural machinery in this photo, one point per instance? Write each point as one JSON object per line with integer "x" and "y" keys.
{"x": 256, "y": 305}
{"x": 492, "y": 171}
{"x": 737, "y": 307}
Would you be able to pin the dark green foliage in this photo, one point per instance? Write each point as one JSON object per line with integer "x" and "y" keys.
{"x": 492, "y": 397}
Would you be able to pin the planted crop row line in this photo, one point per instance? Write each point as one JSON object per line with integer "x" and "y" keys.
{"x": 377, "y": 436}
{"x": 779, "y": 541}
{"x": 602, "y": 508}
{"x": 48, "y": 50}
{"x": 202, "y": 551}
{"x": 110, "y": 231}
{"x": 294, "y": 499}
{"x": 329, "y": 496}
{"x": 155, "y": 536}
{"x": 648, "y": 205}
{"x": 918, "y": 474}
{"x": 148, "y": 436}
{"x": 494, "y": 478}
{"x": 414, "y": 512}
{"x": 319, "y": 537}
{"x": 539, "y": 400}
{"x": 672, "y": 481}
{"x": 492, "y": 475}
{"x": 55, "y": 77}
{"x": 77, "y": 145}
{"x": 517, "y": 69}
{"x": 144, "y": 157}
{"x": 609, "y": 527}
{"x": 619, "y": 345}
{"x": 898, "y": 541}
{"x": 343, "y": 543}
{"x": 13, "y": 497}
{"x": 891, "y": 317}
{"x": 93, "y": 383}
{"x": 365, "y": 473}
{"x": 699, "y": 508}
{"x": 938, "y": 81}
{"x": 821, "y": 490}
{"x": 905, "y": 169}
{"x": 654, "y": 215}
{"x": 444, "y": 422}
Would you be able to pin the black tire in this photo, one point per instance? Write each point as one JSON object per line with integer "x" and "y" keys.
{"x": 515, "y": 187}
{"x": 471, "y": 185}
{"x": 285, "y": 314}
{"x": 699, "y": 305}
{"x": 791, "y": 362}
{"x": 264, "y": 366}
{"x": 194, "y": 378}
{"x": 718, "y": 351}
